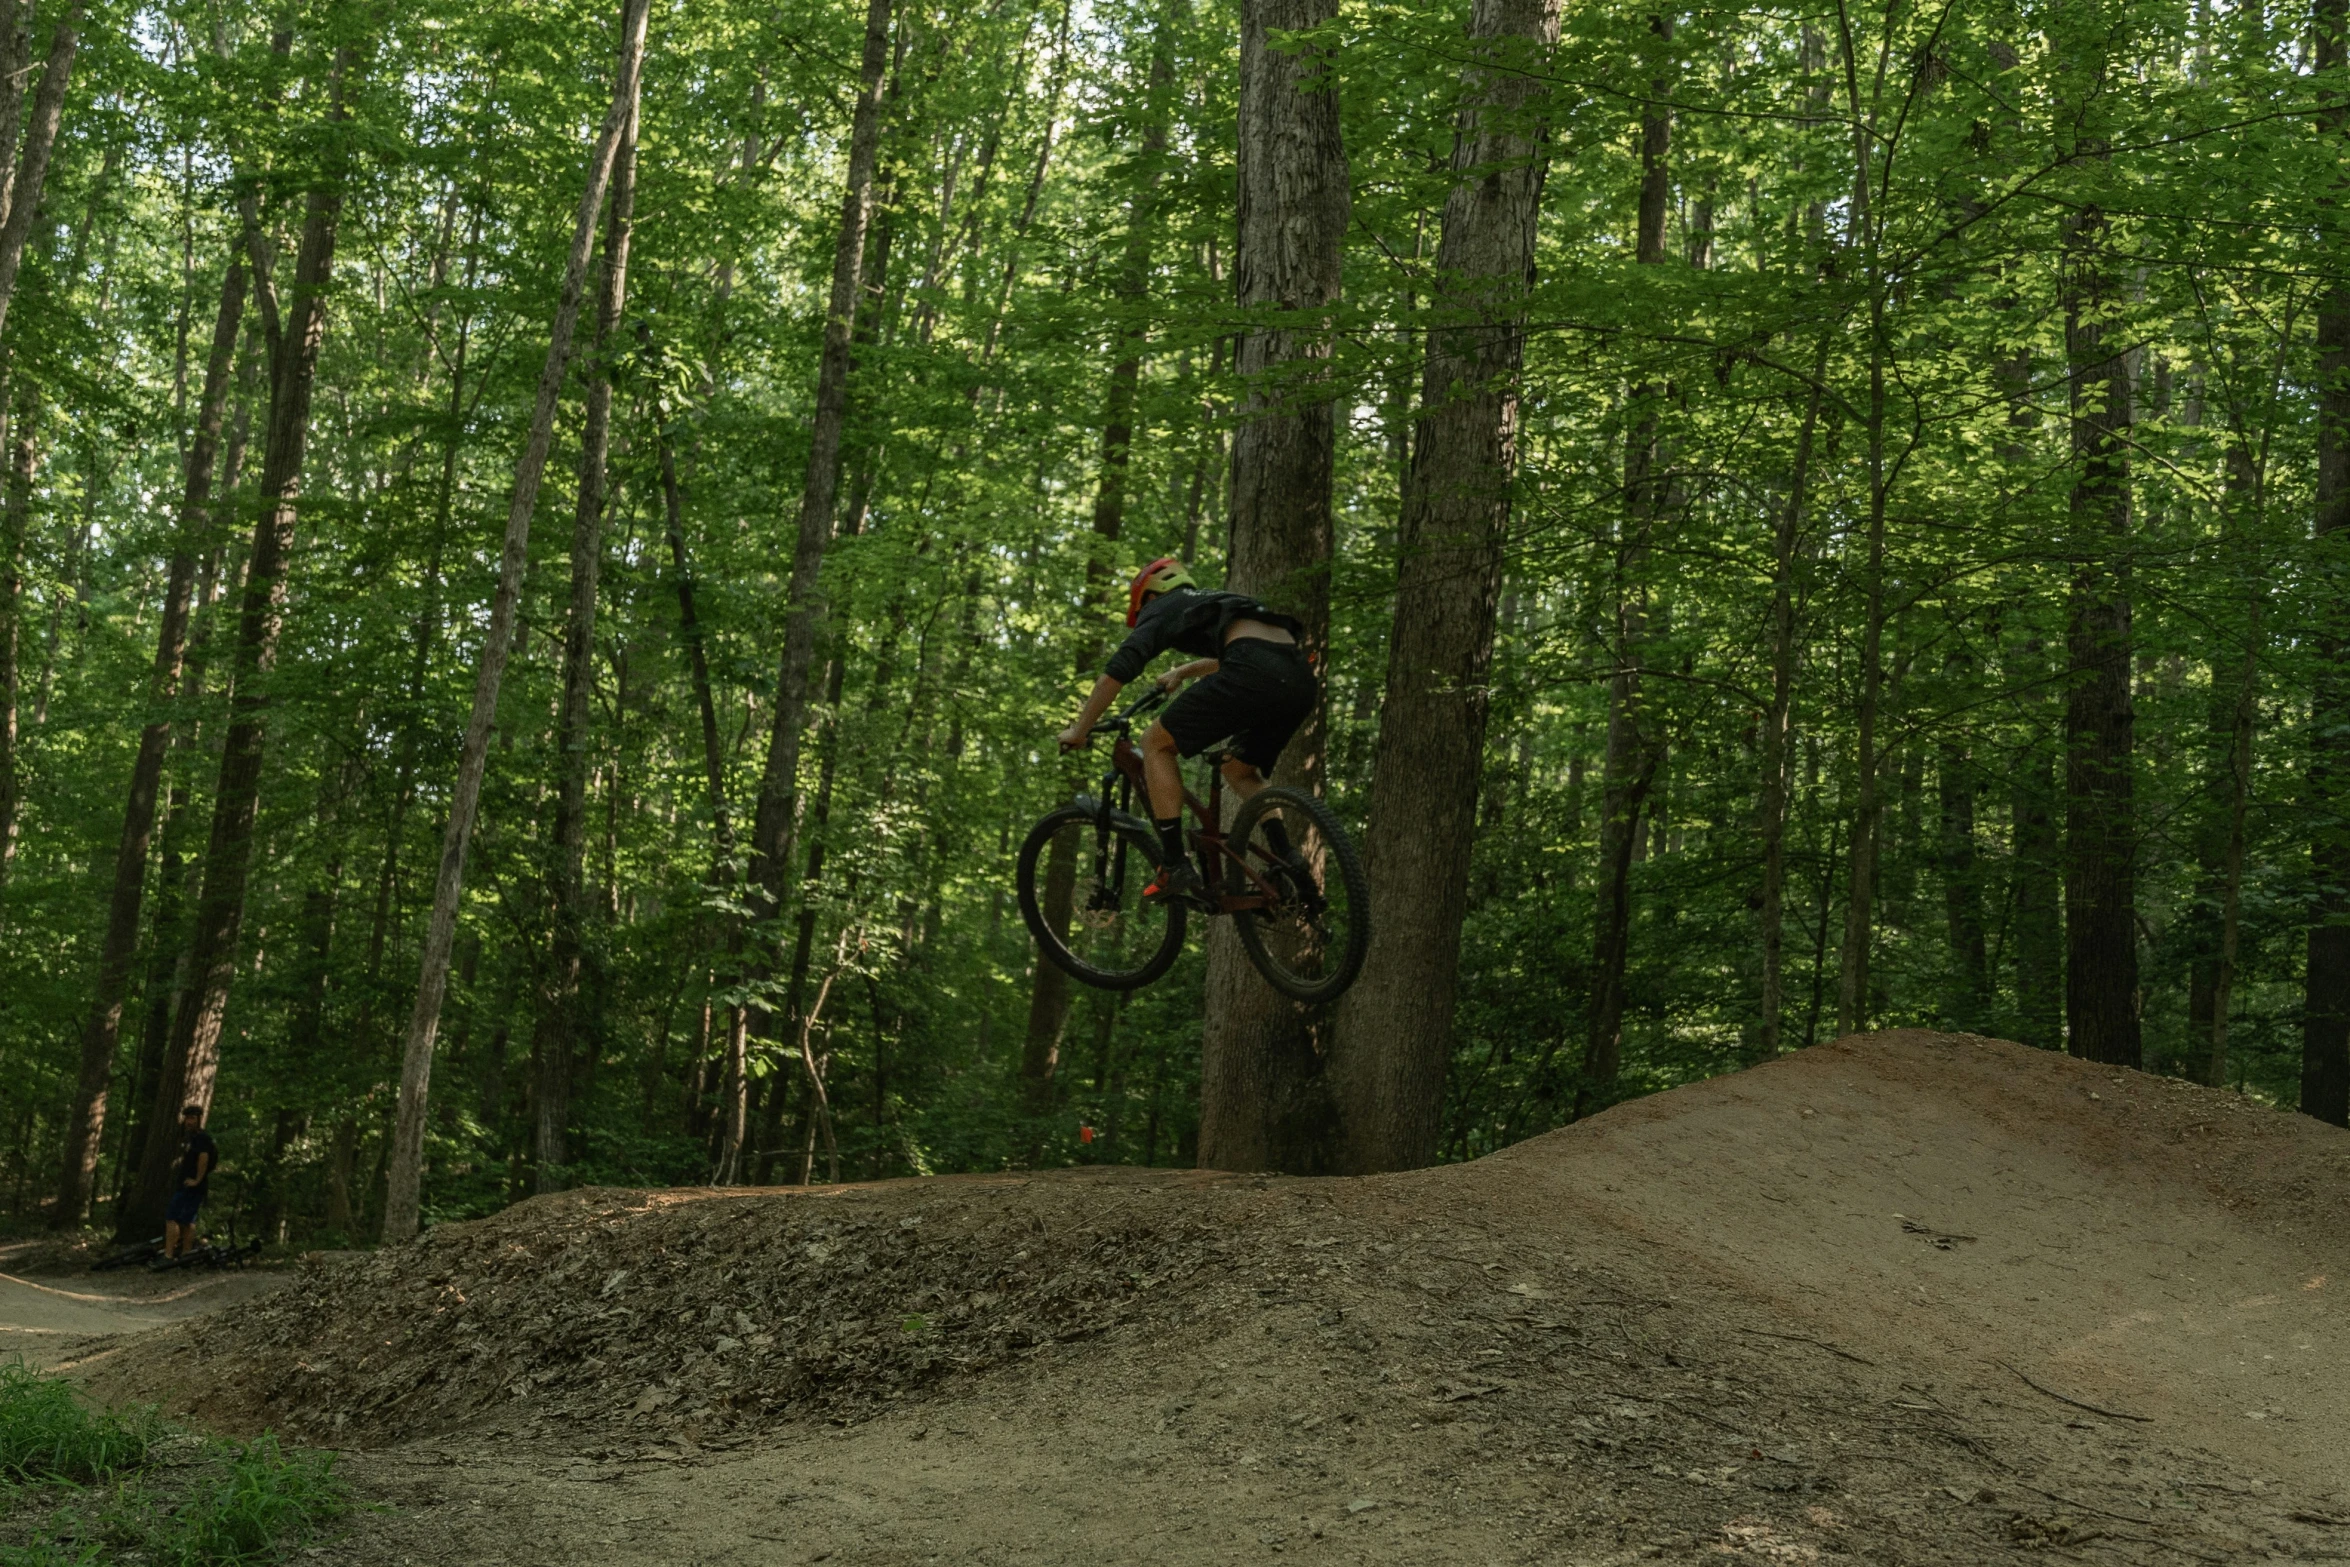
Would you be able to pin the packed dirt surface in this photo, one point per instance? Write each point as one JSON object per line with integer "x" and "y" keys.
{"x": 52, "y": 1308}
{"x": 1907, "y": 1298}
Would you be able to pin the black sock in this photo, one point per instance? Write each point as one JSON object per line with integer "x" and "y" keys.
{"x": 1170, "y": 838}
{"x": 1277, "y": 838}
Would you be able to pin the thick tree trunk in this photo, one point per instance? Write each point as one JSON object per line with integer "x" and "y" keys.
{"x": 2325, "y": 1025}
{"x": 193, "y": 1054}
{"x": 1634, "y": 749}
{"x": 21, "y": 200}
{"x": 1394, "y": 1028}
{"x": 1263, "y": 1104}
{"x": 406, "y": 1162}
{"x": 775, "y": 818}
{"x": 565, "y": 1028}
{"x": 86, "y": 1124}
{"x": 2101, "y": 945}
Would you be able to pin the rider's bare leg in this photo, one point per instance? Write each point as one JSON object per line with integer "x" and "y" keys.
{"x": 1162, "y": 772}
{"x": 1244, "y": 780}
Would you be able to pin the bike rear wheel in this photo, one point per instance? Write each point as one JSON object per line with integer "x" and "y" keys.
{"x": 1111, "y": 939}
{"x": 1309, "y": 940}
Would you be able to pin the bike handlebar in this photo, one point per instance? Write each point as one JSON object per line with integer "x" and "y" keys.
{"x": 1149, "y": 701}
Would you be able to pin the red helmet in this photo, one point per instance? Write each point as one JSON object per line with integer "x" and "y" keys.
{"x": 1160, "y": 576}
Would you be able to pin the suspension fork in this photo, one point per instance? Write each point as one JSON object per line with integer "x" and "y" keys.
{"x": 1111, "y": 800}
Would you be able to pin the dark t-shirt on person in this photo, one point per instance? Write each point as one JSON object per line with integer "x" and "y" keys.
{"x": 1189, "y": 622}
{"x": 199, "y": 1143}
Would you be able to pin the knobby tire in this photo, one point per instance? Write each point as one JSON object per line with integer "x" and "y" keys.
{"x": 1346, "y": 866}
{"x": 1144, "y": 858}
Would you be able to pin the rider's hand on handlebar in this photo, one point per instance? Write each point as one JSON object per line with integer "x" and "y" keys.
{"x": 1075, "y": 738}
{"x": 1170, "y": 682}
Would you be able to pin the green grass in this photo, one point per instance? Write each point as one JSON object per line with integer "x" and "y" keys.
{"x": 259, "y": 1497}
{"x": 83, "y": 1488}
{"x": 46, "y": 1434}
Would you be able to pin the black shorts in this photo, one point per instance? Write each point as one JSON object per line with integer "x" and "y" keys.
{"x": 1260, "y": 693}
{"x": 186, "y": 1202}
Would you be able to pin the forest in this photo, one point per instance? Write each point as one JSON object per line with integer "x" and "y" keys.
{"x": 544, "y": 546}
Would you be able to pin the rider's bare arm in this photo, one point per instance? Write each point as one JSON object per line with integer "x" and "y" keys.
{"x": 1197, "y": 669}
{"x": 1079, "y": 735}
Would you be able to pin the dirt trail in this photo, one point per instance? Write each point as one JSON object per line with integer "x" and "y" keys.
{"x": 45, "y": 1321}
{"x": 1905, "y": 1298}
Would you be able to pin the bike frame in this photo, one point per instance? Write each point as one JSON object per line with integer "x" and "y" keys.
{"x": 1125, "y": 777}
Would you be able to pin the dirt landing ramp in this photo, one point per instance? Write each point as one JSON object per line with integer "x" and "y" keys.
{"x": 1906, "y": 1298}
{"x": 2011, "y": 1218}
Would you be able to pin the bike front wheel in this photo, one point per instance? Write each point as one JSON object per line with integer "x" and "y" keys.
{"x": 1309, "y": 934}
{"x": 1084, "y": 905}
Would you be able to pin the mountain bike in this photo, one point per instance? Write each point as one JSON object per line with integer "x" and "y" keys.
{"x": 1303, "y": 917}
{"x": 129, "y": 1256}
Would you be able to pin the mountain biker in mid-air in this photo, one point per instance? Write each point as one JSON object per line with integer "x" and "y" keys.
{"x": 1255, "y": 687}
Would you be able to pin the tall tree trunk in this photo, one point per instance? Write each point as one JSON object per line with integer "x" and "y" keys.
{"x": 1394, "y": 1027}
{"x": 1634, "y": 750}
{"x": 774, "y": 820}
{"x": 2325, "y": 1014}
{"x": 1048, "y": 994}
{"x": 2243, "y": 715}
{"x": 16, "y": 510}
{"x": 175, "y": 877}
{"x": 1962, "y": 893}
{"x": 1778, "y": 722}
{"x": 193, "y": 1055}
{"x": 1048, "y": 1000}
{"x": 2101, "y": 935}
{"x": 1853, "y": 992}
{"x": 689, "y": 626}
{"x": 2215, "y": 906}
{"x": 20, "y": 202}
{"x": 406, "y": 1162}
{"x": 1852, "y": 977}
{"x": 1962, "y": 883}
{"x": 562, "y": 1034}
{"x": 1131, "y": 295}
{"x": 1056, "y": 81}
{"x": 86, "y": 1124}
{"x": 1263, "y": 1104}
{"x": 2039, "y": 916}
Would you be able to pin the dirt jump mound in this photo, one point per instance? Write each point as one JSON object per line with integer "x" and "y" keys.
{"x": 1907, "y": 1297}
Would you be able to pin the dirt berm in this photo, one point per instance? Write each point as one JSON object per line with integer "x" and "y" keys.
{"x": 1907, "y": 1298}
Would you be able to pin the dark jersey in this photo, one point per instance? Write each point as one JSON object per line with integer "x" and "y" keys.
{"x": 199, "y": 1143}
{"x": 1189, "y": 622}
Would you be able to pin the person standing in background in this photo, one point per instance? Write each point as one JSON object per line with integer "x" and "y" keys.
{"x": 197, "y": 1160}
